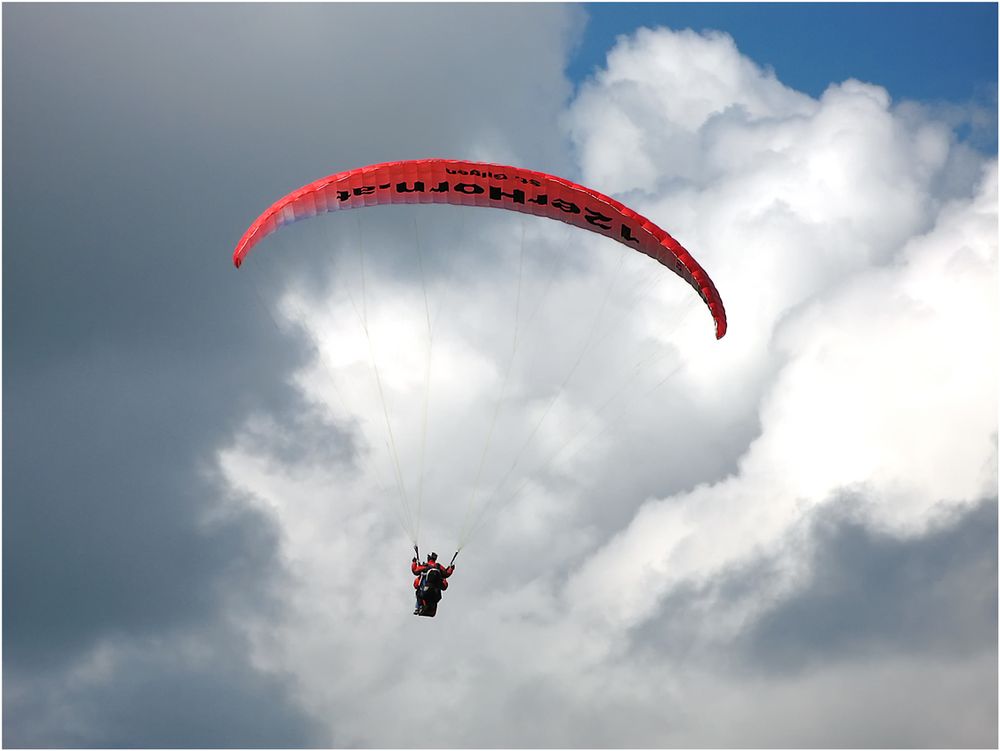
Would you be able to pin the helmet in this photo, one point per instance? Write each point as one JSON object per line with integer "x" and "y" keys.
{"x": 432, "y": 556}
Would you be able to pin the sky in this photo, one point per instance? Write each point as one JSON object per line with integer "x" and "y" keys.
{"x": 212, "y": 477}
{"x": 805, "y": 43}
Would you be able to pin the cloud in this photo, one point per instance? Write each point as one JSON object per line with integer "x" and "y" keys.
{"x": 854, "y": 358}
{"x": 681, "y": 82}
{"x": 188, "y": 690}
{"x": 670, "y": 524}
{"x": 133, "y": 349}
{"x": 873, "y": 593}
{"x": 855, "y": 246}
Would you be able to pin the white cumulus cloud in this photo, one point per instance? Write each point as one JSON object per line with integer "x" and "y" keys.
{"x": 644, "y": 463}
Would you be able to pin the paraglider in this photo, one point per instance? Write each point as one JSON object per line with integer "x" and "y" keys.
{"x": 431, "y": 581}
{"x": 483, "y": 185}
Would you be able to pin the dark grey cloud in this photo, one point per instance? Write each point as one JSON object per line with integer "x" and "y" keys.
{"x": 887, "y": 641}
{"x": 139, "y": 142}
{"x": 190, "y": 691}
{"x": 866, "y": 595}
{"x": 872, "y": 593}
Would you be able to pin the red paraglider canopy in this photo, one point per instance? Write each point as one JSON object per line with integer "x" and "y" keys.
{"x": 489, "y": 185}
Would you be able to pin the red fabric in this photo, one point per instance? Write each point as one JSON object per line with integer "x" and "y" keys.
{"x": 419, "y": 568}
{"x": 480, "y": 184}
